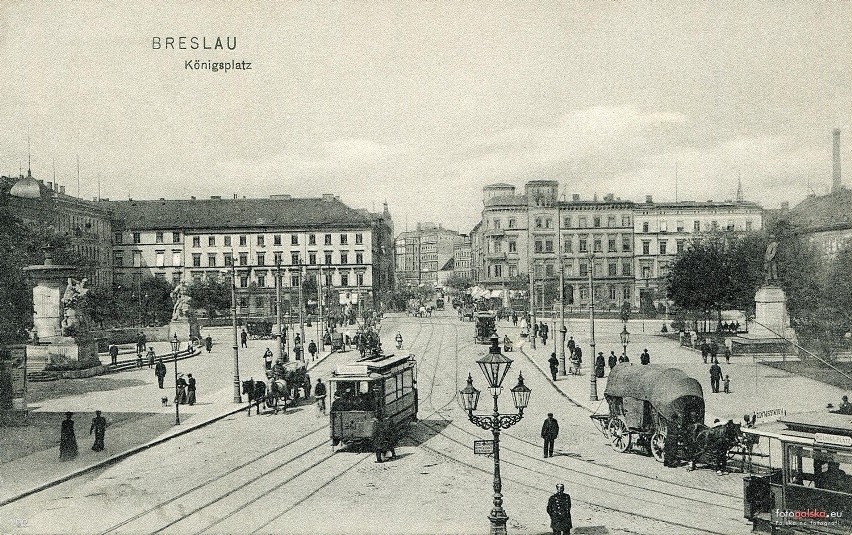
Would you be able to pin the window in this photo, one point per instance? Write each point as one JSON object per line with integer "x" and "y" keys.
{"x": 548, "y": 223}
{"x": 497, "y": 223}
{"x": 513, "y": 271}
{"x": 548, "y": 246}
{"x": 175, "y": 237}
{"x": 582, "y": 222}
{"x": 312, "y": 239}
{"x": 625, "y": 221}
{"x": 664, "y": 226}
{"x": 278, "y": 258}
{"x": 596, "y": 221}
{"x": 538, "y": 246}
{"x": 567, "y": 221}
{"x": 261, "y": 281}
{"x": 611, "y": 245}
{"x": 625, "y": 293}
{"x": 259, "y": 302}
{"x": 583, "y": 245}
{"x": 329, "y": 279}
{"x": 344, "y": 279}
{"x": 748, "y": 225}
{"x": 498, "y": 270}
{"x": 160, "y": 259}
{"x": 714, "y": 225}
{"x": 584, "y": 293}
{"x": 538, "y": 222}
{"x": 243, "y": 240}
{"x": 117, "y": 259}
{"x": 294, "y": 259}
{"x": 663, "y": 246}
{"x": 610, "y": 221}
{"x": 196, "y": 260}
{"x": 261, "y": 259}
{"x": 137, "y": 237}
{"x": 243, "y": 259}
{"x": 679, "y": 246}
{"x": 328, "y": 239}
{"x": 646, "y": 272}
{"x": 679, "y": 225}
{"x": 227, "y": 241}
{"x": 243, "y": 301}
{"x": 646, "y": 247}
{"x": 584, "y": 269}
{"x": 294, "y": 239}
{"x": 696, "y": 226}
{"x": 312, "y": 258}
{"x": 359, "y": 279}
{"x": 359, "y": 239}
{"x": 229, "y": 259}
{"x": 625, "y": 269}
{"x": 176, "y": 258}
{"x": 196, "y": 241}
{"x": 513, "y": 246}
{"x": 261, "y": 240}
{"x": 344, "y": 258}
{"x": 598, "y": 246}
{"x": 137, "y": 258}
{"x": 513, "y": 223}
{"x": 730, "y": 225}
{"x": 211, "y": 241}
{"x": 344, "y": 239}
{"x": 327, "y": 258}
{"x": 645, "y": 226}
{"x": 158, "y": 237}
{"x": 244, "y": 282}
{"x": 294, "y": 280}
{"x": 176, "y": 278}
{"x": 117, "y": 238}
{"x": 569, "y": 245}
{"x": 276, "y": 239}
{"x": 359, "y": 258}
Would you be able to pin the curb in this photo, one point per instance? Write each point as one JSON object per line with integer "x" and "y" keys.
{"x": 137, "y": 449}
{"x": 546, "y": 372}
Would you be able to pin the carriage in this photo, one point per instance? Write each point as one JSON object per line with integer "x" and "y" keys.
{"x": 644, "y": 401}
{"x": 259, "y": 330}
{"x": 337, "y": 342}
{"x": 485, "y": 327}
{"x": 439, "y": 303}
{"x": 370, "y": 391}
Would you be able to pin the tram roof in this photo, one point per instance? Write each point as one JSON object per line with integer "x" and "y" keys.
{"x": 819, "y": 422}
{"x": 365, "y": 367}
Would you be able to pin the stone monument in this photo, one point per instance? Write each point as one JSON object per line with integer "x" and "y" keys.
{"x": 771, "y": 323}
{"x": 184, "y": 324}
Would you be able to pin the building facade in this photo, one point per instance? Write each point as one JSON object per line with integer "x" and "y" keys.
{"x": 422, "y": 254}
{"x": 461, "y": 257}
{"x": 257, "y": 240}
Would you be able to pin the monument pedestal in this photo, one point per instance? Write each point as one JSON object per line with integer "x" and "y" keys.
{"x": 60, "y": 350}
{"x": 769, "y": 331}
{"x": 185, "y": 329}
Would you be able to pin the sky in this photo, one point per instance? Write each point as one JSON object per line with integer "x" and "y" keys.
{"x": 421, "y": 104}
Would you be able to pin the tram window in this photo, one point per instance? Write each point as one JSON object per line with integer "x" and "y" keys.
{"x": 820, "y": 468}
{"x": 407, "y": 380}
{"x": 393, "y": 387}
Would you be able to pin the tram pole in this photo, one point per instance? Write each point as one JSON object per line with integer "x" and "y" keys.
{"x": 593, "y": 381}
{"x": 238, "y": 398}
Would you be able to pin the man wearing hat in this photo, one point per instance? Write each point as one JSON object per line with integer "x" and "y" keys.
{"x": 559, "y": 509}
{"x": 549, "y": 432}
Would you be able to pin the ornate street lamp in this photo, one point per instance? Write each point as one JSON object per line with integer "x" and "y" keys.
{"x": 494, "y": 366}
{"x": 625, "y": 337}
{"x": 175, "y": 346}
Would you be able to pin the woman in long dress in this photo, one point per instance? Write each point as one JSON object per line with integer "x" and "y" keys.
{"x": 67, "y": 439}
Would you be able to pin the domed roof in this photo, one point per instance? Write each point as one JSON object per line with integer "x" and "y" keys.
{"x": 27, "y": 187}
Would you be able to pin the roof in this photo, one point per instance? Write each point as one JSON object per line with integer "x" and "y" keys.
{"x": 237, "y": 213}
{"x": 507, "y": 200}
{"x": 824, "y": 212}
{"x": 450, "y": 265}
{"x": 364, "y": 368}
{"x": 819, "y": 422}
{"x": 499, "y": 185}
{"x": 665, "y": 388}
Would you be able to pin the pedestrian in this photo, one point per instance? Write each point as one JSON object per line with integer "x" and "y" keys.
{"x": 297, "y": 340}
{"x": 160, "y": 372}
{"x": 244, "y": 338}
{"x": 571, "y": 344}
{"x": 705, "y": 350}
{"x": 384, "y": 440}
{"x": 99, "y": 427}
{"x": 113, "y": 353}
{"x": 151, "y": 357}
{"x": 312, "y": 349}
{"x": 67, "y": 439}
{"x": 319, "y": 395}
{"x": 190, "y": 388}
{"x": 535, "y": 330}
{"x": 267, "y": 357}
{"x": 578, "y": 359}
{"x": 612, "y": 360}
{"x": 554, "y": 365}
{"x": 600, "y": 365}
{"x": 180, "y": 395}
{"x": 559, "y": 509}
{"x": 727, "y": 384}
{"x": 714, "y": 351}
{"x": 208, "y": 343}
{"x": 514, "y": 319}
{"x": 549, "y": 432}
{"x": 715, "y": 376}
{"x": 623, "y": 358}
{"x": 544, "y": 330}
{"x": 143, "y": 340}
{"x": 670, "y": 456}
{"x": 646, "y": 357}
{"x": 139, "y": 359}
{"x": 727, "y": 355}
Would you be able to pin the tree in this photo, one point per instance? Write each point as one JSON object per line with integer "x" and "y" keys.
{"x": 211, "y": 294}
{"x": 458, "y": 283}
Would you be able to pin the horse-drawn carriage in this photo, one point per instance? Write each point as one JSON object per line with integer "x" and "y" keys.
{"x": 286, "y": 381}
{"x": 259, "y": 330}
{"x": 336, "y": 341}
{"x": 651, "y": 405}
{"x": 485, "y": 327}
{"x": 439, "y": 303}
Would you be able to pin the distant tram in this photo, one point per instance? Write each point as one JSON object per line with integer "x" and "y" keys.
{"x": 372, "y": 390}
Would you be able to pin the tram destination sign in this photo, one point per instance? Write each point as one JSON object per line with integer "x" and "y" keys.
{"x": 483, "y": 447}
{"x": 834, "y": 440}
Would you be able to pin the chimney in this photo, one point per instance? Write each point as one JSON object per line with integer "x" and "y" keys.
{"x": 50, "y": 186}
{"x": 62, "y": 190}
{"x": 192, "y": 198}
{"x": 835, "y": 184}
{"x": 649, "y": 199}
{"x": 575, "y": 197}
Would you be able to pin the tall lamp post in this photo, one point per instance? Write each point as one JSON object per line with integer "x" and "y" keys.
{"x": 625, "y": 337}
{"x": 563, "y": 330}
{"x": 238, "y": 398}
{"x": 593, "y": 380}
{"x": 175, "y": 346}
{"x": 494, "y": 366}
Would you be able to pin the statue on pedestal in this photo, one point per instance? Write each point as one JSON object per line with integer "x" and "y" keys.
{"x": 770, "y": 267}
{"x": 73, "y": 317}
{"x": 181, "y": 300}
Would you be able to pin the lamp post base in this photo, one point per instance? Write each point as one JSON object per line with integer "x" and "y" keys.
{"x": 498, "y": 522}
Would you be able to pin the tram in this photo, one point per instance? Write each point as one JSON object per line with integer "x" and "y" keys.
{"x": 806, "y": 486}
{"x": 372, "y": 390}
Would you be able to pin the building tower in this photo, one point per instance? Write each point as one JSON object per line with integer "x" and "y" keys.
{"x": 739, "y": 188}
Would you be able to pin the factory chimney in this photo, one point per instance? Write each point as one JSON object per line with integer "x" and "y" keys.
{"x": 835, "y": 184}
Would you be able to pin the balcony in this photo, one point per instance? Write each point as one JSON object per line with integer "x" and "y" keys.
{"x": 496, "y": 256}
{"x": 494, "y": 232}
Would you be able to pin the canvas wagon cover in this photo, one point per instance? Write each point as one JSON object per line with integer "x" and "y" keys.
{"x": 669, "y": 390}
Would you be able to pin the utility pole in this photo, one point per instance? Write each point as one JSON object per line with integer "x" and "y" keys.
{"x": 279, "y": 319}
{"x": 301, "y": 306}
{"x": 238, "y": 398}
{"x": 593, "y": 381}
{"x": 562, "y": 329}
{"x": 532, "y": 303}
{"x": 319, "y": 301}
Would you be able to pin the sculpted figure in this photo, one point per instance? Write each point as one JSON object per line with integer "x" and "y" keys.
{"x": 770, "y": 267}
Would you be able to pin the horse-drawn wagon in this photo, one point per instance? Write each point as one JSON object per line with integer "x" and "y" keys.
{"x": 485, "y": 327}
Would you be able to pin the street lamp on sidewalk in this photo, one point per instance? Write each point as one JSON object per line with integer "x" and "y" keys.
{"x": 593, "y": 380}
{"x": 175, "y": 346}
{"x": 625, "y": 338}
{"x": 494, "y": 366}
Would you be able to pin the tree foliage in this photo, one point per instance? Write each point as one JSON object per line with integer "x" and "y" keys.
{"x": 213, "y": 295}
{"x": 458, "y": 283}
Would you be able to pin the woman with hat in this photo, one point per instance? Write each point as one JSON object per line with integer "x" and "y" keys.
{"x": 67, "y": 439}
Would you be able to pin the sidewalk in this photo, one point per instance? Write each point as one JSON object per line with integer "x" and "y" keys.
{"x": 136, "y": 416}
{"x": 754, "y": 387}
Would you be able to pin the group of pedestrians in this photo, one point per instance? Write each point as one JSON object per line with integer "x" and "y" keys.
{"x": 68, "y": 439}
{"x": 559, "y": 504}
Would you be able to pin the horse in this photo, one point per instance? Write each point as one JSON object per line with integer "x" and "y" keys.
{"x": 256, "y": 391}
{"x": 278, "y": 391}
{"x": 717, "y": 441}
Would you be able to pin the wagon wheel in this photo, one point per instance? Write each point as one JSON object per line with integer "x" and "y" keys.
{"x": 619, "y": 435}
{"x": 658, "y": 444}
{"x": 701, "y": 441}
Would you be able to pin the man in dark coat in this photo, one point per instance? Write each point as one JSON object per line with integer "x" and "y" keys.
{"x": 715, "y": 376}
{"x": 99, "y": 428}
{"x": 559, "y": 509}
{"x": 714, "y": 351}
{"x": 383, "y": 440}
{"x": 623, "y": 358}
{"x": 554, "y": 365}
{"x": 535, "y": 329}
{"x": 578, "y": 358}
{"x": 646, "y": 357}
{"x": 549, "y": 432}
{"x": 600, "y": 365}
{"x": 670, "y": 458}
{"x": 612, "y": 360}
{"x": 67, "y": 439}
{"x": 571, "y": 345}
{"x": 244, "y": 338}
{"x": 160, "y": 372}
{"x": 705, "y": 350}
{"x": 113, "y": 353}
{"x": 544, "y": 330}
{"x": 312, "y": 349}
{"x": 190, "y": 388}
{"x": 208, "y": 343}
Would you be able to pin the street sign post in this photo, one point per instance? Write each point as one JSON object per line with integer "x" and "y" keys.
{"x": 483, "y": 447}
